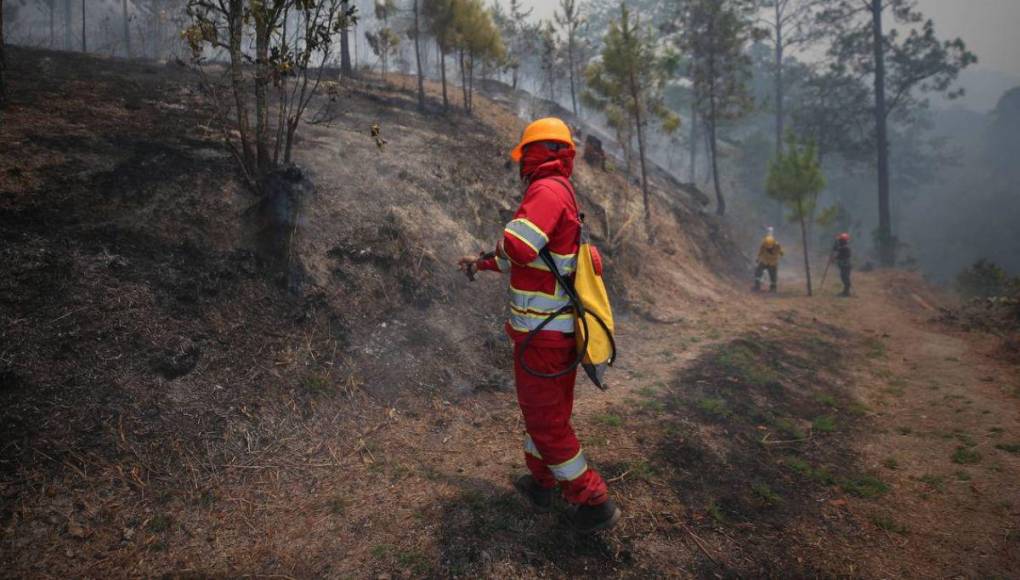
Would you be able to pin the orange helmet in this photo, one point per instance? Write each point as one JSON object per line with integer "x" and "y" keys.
{"x": 844, "y": 237}
{"x": 547, "y": 129}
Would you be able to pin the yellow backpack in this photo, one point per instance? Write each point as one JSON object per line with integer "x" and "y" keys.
{"x": 596, "y": 347}
{"x": 595, "y": 316}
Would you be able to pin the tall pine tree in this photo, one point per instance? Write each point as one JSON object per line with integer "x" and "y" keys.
{"x": 902, "y": 67}
{"x": 795, "y": 179}
{"x": 569, "y": 19}
{"x": 714, "y": 33}
{"x": 628, "y": 81}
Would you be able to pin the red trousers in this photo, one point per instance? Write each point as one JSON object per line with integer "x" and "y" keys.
{"x": 551, "y": 449}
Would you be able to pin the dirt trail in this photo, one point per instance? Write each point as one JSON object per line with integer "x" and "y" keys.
{"x": 747, "y": 478}
{"x": 940, "y": 429}
{"x": 945, "y": 419}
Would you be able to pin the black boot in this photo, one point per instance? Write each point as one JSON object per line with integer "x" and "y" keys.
{"x": 590, "y": 518}
{"x": 539, "y": 497}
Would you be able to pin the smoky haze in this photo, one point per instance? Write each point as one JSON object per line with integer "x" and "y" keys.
{"x": 953, "y": 199}
{"x": 953, "y": 203}
{"x": 988, "y": 27}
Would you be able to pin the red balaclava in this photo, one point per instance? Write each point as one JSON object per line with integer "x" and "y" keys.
{"x": 539, "y": 161}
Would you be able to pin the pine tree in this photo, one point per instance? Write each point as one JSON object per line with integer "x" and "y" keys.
{"x": 84, "y": 21}
{"x": 519, "y": 37}
{"x": 3, "y": 60}
{"x": 476, "y": 39}
{"x": 713, "y": 35}
{"x": 627, "y": 84}
{"x": 439, "y": 21}
{"x": 549, "y": 59}
{"x": 790, "y": 24}
{"x": 832, "y": 111}
{"x": 901, "y": 67}
{"x": 795, "y": 179}
{"x": 346, "y": 71}
{"x": 569, "y": 19}
{"x": 384, "y": 41}
{"x": 416, "y": 36}
{"x": 68, "y": 30}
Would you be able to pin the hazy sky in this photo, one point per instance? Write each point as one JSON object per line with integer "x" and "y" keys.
{"x": 989, "y": 27}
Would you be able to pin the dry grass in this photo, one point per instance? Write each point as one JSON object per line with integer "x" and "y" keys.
{"x": 168, "y": 409}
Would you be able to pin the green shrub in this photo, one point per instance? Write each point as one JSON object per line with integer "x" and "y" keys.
{"x": 825, "y": 399}
{"x": 888, "y": 524}
{"x": 609, "y": 420}
{"x": 716, "y": 407}
{"x": 865, "y": 486}
{"x": 936, "y": 482}
{"x": 825, "y": 424}
{"x": 717, "y": 513}
{"x": 764, "y": 493}
{"x": 819, "y": 475}
{"x": 983, "y": 279}
{"x": 965, "y": 456}
{"x": 789, "y": 428}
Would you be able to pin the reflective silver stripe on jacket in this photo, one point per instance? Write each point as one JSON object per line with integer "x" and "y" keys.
{"x": 570, "y": 470}
{"x": 565, "y": 263}
{"x": 523, "y": 322}
{"x": 537, "y": 301}
{"x": 528, "y": 233}
{"x": 502, "y": 264}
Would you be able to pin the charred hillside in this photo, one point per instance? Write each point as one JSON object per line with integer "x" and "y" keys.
{"x": 162, "y": 324}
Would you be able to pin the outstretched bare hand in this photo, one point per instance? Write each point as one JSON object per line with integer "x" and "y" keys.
{"x": 468, "y": 265}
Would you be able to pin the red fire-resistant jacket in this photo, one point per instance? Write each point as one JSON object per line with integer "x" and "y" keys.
{"x": 547, "y": 217}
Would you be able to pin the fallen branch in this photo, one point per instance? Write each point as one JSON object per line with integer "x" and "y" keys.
{"x": 59, "y": 318}
{"x": 282, "y": 466}
{"x": 765, "y": 440}
{"x": 701, "y": 545}
{"x": 618, "y": 477}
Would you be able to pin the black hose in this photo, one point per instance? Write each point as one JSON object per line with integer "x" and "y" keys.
{"x": 578, "y": 307}
{"x": 531, "y": 334}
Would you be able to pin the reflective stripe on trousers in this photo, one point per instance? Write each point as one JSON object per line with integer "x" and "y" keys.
{"x": 546, "y": 404}
{"x": 529, "y": 447}
{"x": 568, "y": 470}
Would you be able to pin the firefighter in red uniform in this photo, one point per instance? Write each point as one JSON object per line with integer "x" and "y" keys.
{"x": 548, "y": 217}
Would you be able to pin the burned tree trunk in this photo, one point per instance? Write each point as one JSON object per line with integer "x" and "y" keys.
{"x": 886, "y": 244}
{"x": 84, "y": 46}
{"x": 417, "y": 57}
{"x": 442, "y": 70}
{"x": 594, "y": 154}
{"x": 127, "y": 29}
{"x": 262, "y": 81}
{"x": 277, "y": 224}
{"x": 68, "y": 34}
{"x": 345, "y": 48}
{"x": 692, "y": 171}
{"x": 3, "y": 60}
